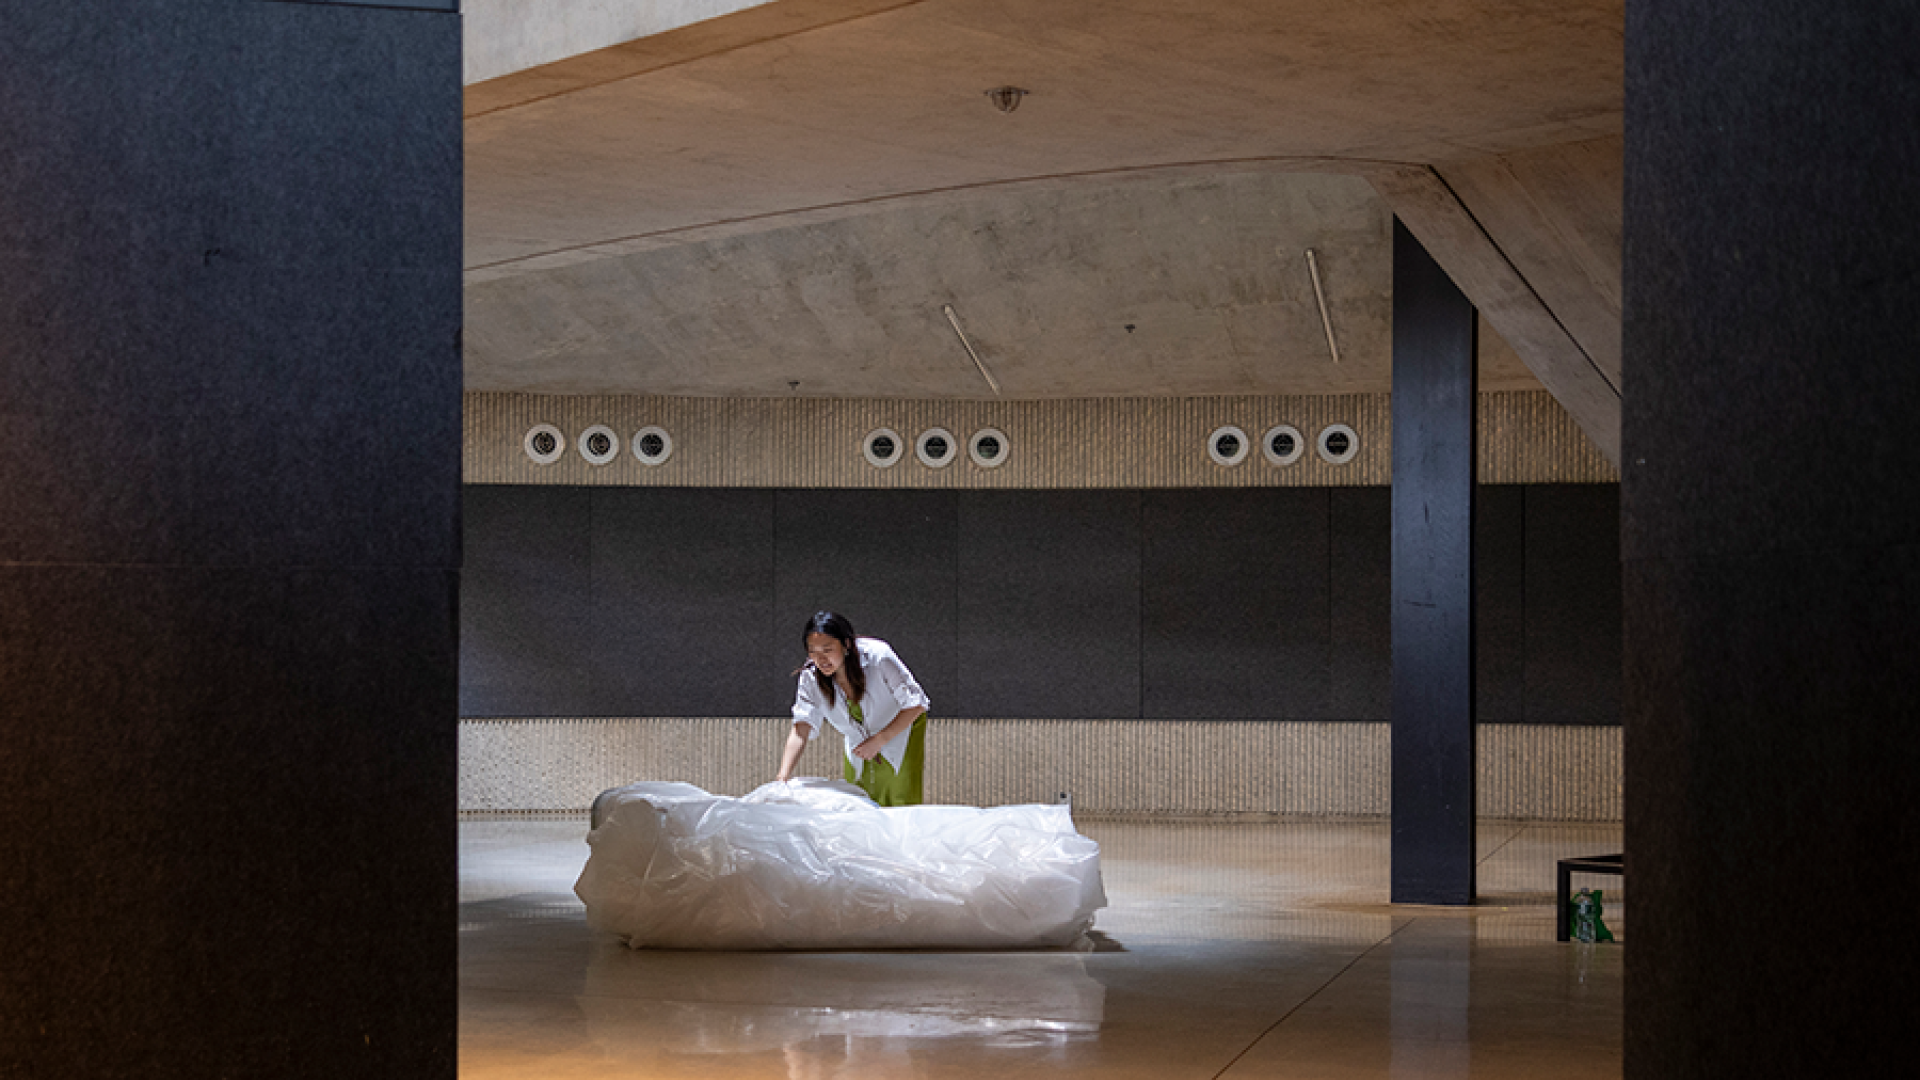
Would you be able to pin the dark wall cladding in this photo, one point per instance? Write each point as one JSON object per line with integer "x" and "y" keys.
{"x": 1050, "y": 604}
{"x": 526, "y": 602}
{"x": 1258, "y": 604}
{"x": 1360, "y": 627}
{"x": 230, "y": 439}
{"x": 884, "y": 559}
{"x": 1234, "y": 605}
{"x": 1500, "y": 604}
{"x": 680, "y": 610}
{"x": 1572, "y": 610}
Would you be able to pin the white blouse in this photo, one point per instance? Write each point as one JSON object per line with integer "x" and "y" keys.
{"x": 890, "y": 688}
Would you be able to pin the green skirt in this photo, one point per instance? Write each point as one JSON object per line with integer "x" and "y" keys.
{"x": 888, "y": 786}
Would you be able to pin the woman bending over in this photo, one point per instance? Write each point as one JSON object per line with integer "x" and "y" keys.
{"x": 858, "y": 685}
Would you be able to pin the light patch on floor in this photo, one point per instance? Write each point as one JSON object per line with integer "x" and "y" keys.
{"x": 1236, "y": 952}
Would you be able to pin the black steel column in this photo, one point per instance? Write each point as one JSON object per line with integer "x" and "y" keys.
{"x": 1433, "y": 479}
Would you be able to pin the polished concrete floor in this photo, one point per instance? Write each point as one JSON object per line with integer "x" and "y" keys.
{"x": 1228, "y": 951}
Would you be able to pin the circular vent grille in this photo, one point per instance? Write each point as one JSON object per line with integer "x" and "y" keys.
{"x": 1227, "y": 445}
{"x": 882, "y": 447}
{"x": 1282, "y": 444}
{"x": 652, "y": 445}
{"x": 544, "y": 444}
{"x": 989, "y": 448}
{"x": 1338, "y": 444}
{"x": 937, "y": 448}
{"x": 599, "y": 445}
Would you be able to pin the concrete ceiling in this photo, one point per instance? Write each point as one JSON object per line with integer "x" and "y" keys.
{"x": 784, "y": 200}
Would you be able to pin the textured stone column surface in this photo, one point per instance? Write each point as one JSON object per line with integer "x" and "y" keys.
{"x": 1433, "y": 595}
{"x": 1772, "y": 579}
{"x": 229, "y": 451}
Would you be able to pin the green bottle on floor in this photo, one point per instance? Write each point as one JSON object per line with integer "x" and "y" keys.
{"x": 1583, "y": 917}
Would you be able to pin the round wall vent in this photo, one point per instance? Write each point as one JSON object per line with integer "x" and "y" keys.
{"x": 1227, "y": 445}
{"x": 652, "y": 445}
{"x": 882, "y": 447}
{"x": 1338, "y": 444}
{"x": 1282, "y": 444}
{"x": 936, "y": 448}
{"x": 599, "y": 445}
{"x": 989, "y": 448}
{"x": 545, "y": 444}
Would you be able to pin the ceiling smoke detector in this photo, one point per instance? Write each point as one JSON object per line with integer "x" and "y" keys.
{"x": 1006, "y": 98}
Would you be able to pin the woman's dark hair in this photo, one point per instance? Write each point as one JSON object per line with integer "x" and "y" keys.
{"x": 835, "y": 625}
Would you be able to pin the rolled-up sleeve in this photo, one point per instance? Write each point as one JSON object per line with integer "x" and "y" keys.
{"x": 809, "y": 706}
{"x": 899, "y": 681}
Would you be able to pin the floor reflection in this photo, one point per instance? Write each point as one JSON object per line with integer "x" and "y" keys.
{"x": 730, "y": 1003}
{"x": 1431, "y": 999}
{"x": 1228, "y": 953}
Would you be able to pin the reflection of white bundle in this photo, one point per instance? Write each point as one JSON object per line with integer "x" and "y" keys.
{"x": 639, "y": 1003}
{"x": 814, "y": 864}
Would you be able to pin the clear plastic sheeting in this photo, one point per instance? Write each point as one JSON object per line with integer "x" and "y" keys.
{"x": 814, "y": 864}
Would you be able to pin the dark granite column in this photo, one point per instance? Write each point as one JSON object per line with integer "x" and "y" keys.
{"x": 1769, "y": 532}
{"x": 229, "y": 465}
{"x": 1434, "y": 396}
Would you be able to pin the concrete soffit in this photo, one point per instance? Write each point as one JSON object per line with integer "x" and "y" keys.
{"x": 722, "y": 198}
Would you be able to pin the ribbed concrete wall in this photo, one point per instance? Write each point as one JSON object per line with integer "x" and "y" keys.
{"x": 1091, "y": 443}
{"x": 1120, "y": 768}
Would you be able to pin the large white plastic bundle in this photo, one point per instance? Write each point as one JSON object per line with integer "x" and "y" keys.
{"x": 814, "y": 864}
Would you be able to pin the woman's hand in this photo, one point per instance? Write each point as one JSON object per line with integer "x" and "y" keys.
{"x": 790, "y": 753}
{"x": 902, "y": 720}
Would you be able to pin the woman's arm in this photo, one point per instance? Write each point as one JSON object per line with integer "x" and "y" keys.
{"x": 790, "y": 756}
{"x": 886, "y": 665}
{"x": 901, "y": 721}
{"x": 809, "y": 708}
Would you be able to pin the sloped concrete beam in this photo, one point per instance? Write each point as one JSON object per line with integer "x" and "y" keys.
{"x": 500, "y": 37}
{"x": 1582, "y": 375}
{"x": 1556, "y": 212}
